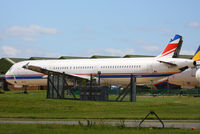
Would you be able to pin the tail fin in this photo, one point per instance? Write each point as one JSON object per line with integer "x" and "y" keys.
{"x": 197, "y": 55}
{"x": 173, "y": 48}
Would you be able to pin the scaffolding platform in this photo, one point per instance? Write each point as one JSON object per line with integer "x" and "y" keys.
{"x": 57, "y": 84}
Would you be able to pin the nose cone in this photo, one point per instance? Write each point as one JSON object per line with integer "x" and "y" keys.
{"x": 9, "y": 77}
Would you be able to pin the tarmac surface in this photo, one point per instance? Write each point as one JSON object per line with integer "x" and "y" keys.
{"x": 187, "y": 124}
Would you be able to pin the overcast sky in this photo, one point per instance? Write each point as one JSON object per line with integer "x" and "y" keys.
{"x": 54, "y": 28}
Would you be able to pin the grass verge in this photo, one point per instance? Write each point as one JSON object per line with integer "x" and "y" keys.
{"x": 35, "y": 105}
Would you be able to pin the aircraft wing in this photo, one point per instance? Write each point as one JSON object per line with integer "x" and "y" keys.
{"x": 154, "y": 84}
{"x": 46, "y": 71}
{"x": 160, "y": 81}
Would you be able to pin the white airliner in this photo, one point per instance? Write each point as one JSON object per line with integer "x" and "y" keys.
{"x": 113, "y": 71}
{"x": 189, "y": 78}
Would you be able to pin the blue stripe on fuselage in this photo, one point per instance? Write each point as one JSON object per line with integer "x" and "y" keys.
{"x": 128, "y": 76}
{"x": 25, "y": 77}
{"x": 102, "y": 76}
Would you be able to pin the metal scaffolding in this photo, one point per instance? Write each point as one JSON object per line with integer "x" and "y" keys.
{"x": 57, "y": 84}
{"x": 131, "y": 88}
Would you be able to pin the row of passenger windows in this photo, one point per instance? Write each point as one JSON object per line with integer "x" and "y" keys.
{"x": 77, "y": 67}
{"x": 125, "y": 66}
{"x": 91, "y": 67}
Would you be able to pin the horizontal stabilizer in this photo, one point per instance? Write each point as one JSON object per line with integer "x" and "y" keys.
{"x": 167, "y": 62}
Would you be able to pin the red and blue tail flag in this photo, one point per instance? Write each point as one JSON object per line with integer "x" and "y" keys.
{"x": 173, "y": 48}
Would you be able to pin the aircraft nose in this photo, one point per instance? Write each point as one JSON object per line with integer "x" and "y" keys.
{"x": 9, "y": 76}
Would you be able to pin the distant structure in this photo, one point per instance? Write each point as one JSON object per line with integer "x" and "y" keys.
{"x": 101, "y": 56}
{"x": 135, "y": 56}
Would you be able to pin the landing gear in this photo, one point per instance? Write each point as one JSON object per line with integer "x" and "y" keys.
{"x": 25, "y": 89}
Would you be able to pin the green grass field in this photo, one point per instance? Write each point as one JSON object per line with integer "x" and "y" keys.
{"x": 67, "y": 129}
{"x": 35, "y": 105}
